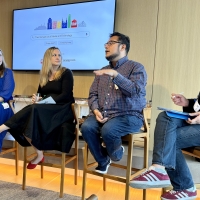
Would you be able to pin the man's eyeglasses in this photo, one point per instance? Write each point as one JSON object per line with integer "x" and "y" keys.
{"x": 111, "y": 42}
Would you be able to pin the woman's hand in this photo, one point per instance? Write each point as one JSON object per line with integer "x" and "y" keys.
{"x": 196, "y": 120}
{"x": 99, "y": 116}
{"x": 35, "y": 98}
{"x": 179, "y": 100}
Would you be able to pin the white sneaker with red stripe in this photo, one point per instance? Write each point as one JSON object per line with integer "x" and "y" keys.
{"x": 152, "y": 178}
{"x": 180, "y": 195}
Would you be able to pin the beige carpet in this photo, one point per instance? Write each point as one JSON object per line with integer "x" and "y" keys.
{"x": 13, "y": 191}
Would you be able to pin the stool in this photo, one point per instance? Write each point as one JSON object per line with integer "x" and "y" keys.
{"x": 130, "y": 139}
{"x": 9, "y": 137}
{"x": 65, "y": 159}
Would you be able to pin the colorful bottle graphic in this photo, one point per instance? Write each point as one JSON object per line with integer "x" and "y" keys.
{"x": 64, "y": 24}
{"x": 74, "y": 24}
{"x": 54, "y": 26}
{"x": 58, "y": 24}
{"x": 49, "y": 23}
{"x": 61, "y": 24}
{"x": 69, "y": 21}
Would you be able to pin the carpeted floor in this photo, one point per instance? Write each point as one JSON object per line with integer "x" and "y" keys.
{"x": 13, "y": 191}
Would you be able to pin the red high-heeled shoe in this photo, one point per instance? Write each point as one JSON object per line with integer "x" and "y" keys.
{"x": 33, "y": 166}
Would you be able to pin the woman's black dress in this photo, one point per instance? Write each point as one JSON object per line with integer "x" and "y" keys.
{"x": 49, "y": 126}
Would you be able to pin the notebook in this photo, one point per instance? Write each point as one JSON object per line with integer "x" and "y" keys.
{"x": 175, "y": 113}
{"x": 48, "y": 100}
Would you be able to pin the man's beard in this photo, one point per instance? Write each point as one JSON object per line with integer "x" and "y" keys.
{"x": 112, "y": 57}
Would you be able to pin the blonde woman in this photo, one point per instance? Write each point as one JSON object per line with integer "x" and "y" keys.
{"x": 43, "y": 125}
{"x": 7, "y": 86}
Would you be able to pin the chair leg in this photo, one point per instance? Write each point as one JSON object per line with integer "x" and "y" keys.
{"x": 129, "y": 166}
{"x": 84, "y": 185}
{"x": 144, "y": 194}
{"x": 146, "y": 152}
{"x": 76, "y": 170}
{"x": 104, "y": 184}
{"x": 163, "y": 190}
{"x": 146, "y": 160}
{"x": 42, "y": 171}
{"x": 76, "y": 160}
{"x": 62, "y": 175}
{"x": 16, "y": 158}
{"x": 85, "y": 161}
{"x": 24, "y": 169}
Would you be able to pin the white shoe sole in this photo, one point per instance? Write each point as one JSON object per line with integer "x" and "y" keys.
{"x": 145, "y": 185}
{"x": 103, "y": 172}
{"x": 186, "y": 198}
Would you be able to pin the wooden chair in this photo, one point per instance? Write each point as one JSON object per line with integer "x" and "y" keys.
{"x": 14, "y": 149}
{"x": 130, "y": 139}
{"x": 65, "y": 159}
{"x": 194, "y": 152}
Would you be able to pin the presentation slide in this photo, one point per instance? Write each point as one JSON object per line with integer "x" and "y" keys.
{"x": 79, "y": 30}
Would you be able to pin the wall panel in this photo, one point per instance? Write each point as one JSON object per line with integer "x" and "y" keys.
{"x": 26, "y": 82}
{"x": 136, "y": 18}
{"x": 170, "y": 59}
{"x": 177, "y": 53}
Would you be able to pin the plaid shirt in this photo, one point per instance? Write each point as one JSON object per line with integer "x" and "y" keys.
{"x": 122, "y": 95}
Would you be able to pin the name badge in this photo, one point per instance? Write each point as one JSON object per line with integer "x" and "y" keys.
{"x": 5, "y": 105}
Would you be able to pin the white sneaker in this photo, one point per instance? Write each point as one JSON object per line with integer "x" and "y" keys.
{"x": 103, "y": 169}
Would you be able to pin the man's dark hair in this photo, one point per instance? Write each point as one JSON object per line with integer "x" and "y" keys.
{"x": 123, "y": 39}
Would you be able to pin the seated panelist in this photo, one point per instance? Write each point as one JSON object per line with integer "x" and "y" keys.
{"x": 169, "y": 166}
{"x": 116, "y": 100}
{"x": 46, "y": 126}
{"x": 7, "y": 85}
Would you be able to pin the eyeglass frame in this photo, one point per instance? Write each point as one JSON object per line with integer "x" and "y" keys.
{"x": 111, "y": 42}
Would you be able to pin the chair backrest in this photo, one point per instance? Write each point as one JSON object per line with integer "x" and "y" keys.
{"x": 145, "y": 123}
{"x": 192, "y": 151}
{"x": 75, "y": 112}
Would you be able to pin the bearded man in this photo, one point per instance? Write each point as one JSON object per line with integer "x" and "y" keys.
{"x": 116, "y": 100}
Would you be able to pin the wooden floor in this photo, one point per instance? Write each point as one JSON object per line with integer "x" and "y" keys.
{"x": 51, "y": 181}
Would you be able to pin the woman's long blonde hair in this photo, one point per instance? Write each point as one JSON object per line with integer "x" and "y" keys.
{"x": 3, "y": 64}
{"x": 45, "y": 72}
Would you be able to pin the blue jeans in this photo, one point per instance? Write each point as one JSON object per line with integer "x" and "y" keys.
{"x": 170, "y": 136}
{"x": 110, "y": 132}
